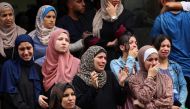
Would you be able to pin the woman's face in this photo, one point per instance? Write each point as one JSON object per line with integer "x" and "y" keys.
{"x": 165, "y": 48}
{"x": 68, "y": 99}
{"x": 25, "y": 51}
{"x": 7, "y": 17}
{"x": 151, "y": 60}
{"x": 132, "y": 43}
{"x": 62, "y": 43}
{"x": 49, "y": 20}
{"x": 100, "y": 61}
{"x": 114, "y": 2}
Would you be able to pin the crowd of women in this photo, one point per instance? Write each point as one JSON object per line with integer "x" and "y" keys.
{"x": 38, "y": 71}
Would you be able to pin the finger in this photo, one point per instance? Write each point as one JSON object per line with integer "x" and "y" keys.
{"x": 44, "y": 97}
{"x": 116, "y": 6}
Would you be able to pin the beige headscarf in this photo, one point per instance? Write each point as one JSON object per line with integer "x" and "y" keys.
{"x": 102, "y": 14}
{"x": 8, "y": 35}
{"x": 87, "y": 66}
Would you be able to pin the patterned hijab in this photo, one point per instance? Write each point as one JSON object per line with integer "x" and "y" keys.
{"x": 102, "y": 14}
{"x": 41, "y": 32}
{"x": 8, "y": 35}
{"x": 161, "y": 80}
{"x": 58, "y": 67}
{"x": 87, "y": 66}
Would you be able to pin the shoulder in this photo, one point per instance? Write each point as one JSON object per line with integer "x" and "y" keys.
{"x": 20, "y": 30}
{"x": 114, "y": 62}
{"x": 32, "y": 34}
{"x": 174, "y": 64}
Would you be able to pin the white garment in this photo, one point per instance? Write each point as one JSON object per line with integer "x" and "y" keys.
{"x": 185, "y": 5}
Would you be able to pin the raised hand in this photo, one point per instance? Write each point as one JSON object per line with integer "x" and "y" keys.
{"x": 153, "y": 70}
{"x": 111, "y": 10}
{"x": 122, "y": 76}
{"x": 133, "y": 52}
{"x": 94, "y": 79}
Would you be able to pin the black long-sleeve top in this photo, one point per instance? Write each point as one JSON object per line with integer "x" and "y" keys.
{"x": 107, "y": 97}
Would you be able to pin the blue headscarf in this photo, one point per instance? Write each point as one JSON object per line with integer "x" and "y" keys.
{"x": 11, "y": 71}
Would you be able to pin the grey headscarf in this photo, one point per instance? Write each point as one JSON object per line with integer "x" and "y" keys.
{"x": 87, "y": 66}
{"x": 8, "y": 35}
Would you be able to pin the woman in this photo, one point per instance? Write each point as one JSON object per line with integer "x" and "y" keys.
{"x": 63, "y": 96}
{"x": 8, "y": 32}
{"x": 163, "y": 44}
{"x": 107, "y": 21}
{"x": 128, "y": 50}
{"x": 96, "y": 88}
{"x": 20, "y": 82}
{"x": 45, "y": 24}
{"x": 150, "y": 88}
{"x": 59, "y": 65}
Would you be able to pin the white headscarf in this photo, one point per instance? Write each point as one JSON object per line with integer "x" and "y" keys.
{"x": 102, "y": 14}
{"x": 8, "y": 35}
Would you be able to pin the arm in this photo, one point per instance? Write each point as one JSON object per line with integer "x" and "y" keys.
{"x": 143, "y": 91}
{"x": 165, "y": 101}
{"x": 156, "y": 28}
{"x": 175, "y": 6}
{"x": 119, "y": 91}
{"x": 85, "y": 94}
{"x": 115, "y": 68}
{"x": 182, "y": 86}
{"x": 76, "y": 46}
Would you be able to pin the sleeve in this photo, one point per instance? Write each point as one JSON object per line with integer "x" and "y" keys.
{"x": 85, "y": 95}
{"x": 17, "y": 101}
{"x": 143, "y": 91}
{"x": 115, "y": 68}
{"x": 165, "y": 101}
{"x": 120, "y": 92}
{"x": 182, "y": 86}
{"x": 156, "y": 29}
{"x": 185, "y": 5}
{"x": 130, "y": 63}
{"x": 76, "y": 46}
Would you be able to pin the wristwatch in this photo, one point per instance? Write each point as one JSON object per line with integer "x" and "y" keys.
{"x": 114, "y": 18}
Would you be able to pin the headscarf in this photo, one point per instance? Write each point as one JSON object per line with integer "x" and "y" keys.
{"x": 101, "y": 15}
{"x": 11, "y": 71}
{"x": 161, "y": 80}
{"x": 58, "y": 67}
{"x": 41, "y": 32}
{"x": 8, "y": 35}
{"x": 87, "y": 66}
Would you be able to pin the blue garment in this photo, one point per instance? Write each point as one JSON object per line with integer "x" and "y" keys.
{"x": 176, "y": 26}
{"x": 11, "y": 71}
{"x": 117, "y": 64}
{"x": 39, "y": 48}
{"x": 10, "y": 76}
{"x": 179, "y": 82}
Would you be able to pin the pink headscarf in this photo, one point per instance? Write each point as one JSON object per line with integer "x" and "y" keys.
{"x": 58, "y": 67}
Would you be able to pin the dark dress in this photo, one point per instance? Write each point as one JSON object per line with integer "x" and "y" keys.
{"x": 108, "y": 32}
{"x": 20, "y": 85}
{"x": 107, "y": 97}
